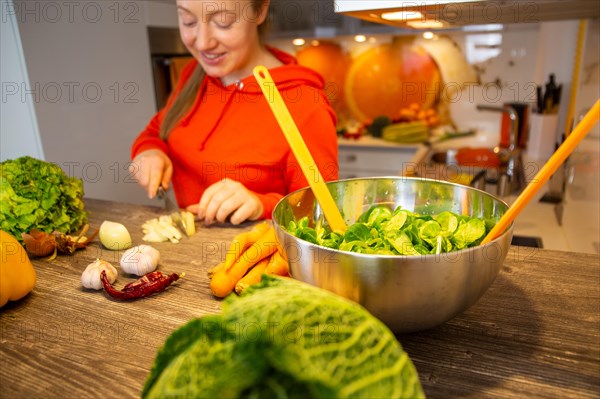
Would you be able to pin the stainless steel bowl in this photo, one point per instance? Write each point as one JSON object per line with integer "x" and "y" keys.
{"x": 408, "y": 293}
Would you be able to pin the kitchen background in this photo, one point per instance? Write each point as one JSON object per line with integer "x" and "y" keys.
{"x": 80, "y": 79}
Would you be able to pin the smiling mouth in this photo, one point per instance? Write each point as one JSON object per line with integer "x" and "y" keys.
{"x": 212, "y": 56}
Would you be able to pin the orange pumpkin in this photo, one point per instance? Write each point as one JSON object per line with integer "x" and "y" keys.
{"x": 332, "y": 63}
{"x": 389, "y": 77}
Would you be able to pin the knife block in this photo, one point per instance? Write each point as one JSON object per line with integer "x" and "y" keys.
{"x": 543, "y": 136}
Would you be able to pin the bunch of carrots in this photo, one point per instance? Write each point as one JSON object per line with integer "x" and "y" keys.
{"x": 250, "y": 255}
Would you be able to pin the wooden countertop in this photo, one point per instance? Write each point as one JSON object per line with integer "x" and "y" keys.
{"x": 535, "y": 333}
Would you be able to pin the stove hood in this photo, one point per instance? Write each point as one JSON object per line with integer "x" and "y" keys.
{"x": 447, "y": 14}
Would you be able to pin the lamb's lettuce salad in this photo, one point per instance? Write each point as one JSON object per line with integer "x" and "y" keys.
{"x": 382, "y": 231}
{"x": 284, "y": 339}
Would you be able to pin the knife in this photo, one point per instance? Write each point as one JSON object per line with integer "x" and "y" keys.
{"x": 172, "y": 209}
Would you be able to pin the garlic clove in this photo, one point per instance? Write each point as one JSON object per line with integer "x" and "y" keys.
{"x": 114, "y": 236}
{"x": 90, "y": 278}
{"x": 140, "y": 260}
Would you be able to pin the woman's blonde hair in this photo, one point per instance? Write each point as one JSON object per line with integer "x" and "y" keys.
{"x": 184, "y": 101}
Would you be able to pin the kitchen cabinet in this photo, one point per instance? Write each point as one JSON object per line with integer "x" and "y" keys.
{"x": 369, "y": 156}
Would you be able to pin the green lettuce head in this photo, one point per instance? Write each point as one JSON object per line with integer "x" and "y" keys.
{"x": 284, "y": 339}
{"x": 38, "y": 194}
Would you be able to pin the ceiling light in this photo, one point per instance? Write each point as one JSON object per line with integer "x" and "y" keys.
{"x": 402, "y": 15}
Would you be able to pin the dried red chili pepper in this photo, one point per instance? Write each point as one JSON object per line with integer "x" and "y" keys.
{"x": 147, "y": 285}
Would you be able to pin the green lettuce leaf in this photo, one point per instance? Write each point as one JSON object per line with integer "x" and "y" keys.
{"x": 401, "y": 232}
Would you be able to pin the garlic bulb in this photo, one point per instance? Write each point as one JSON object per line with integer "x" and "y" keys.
{"x": 90, "y": 278}
{"x": 140, "y": 260}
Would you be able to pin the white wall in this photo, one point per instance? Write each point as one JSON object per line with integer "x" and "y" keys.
{"x": 90, "y": 80}
{"x": 19, "y": 134}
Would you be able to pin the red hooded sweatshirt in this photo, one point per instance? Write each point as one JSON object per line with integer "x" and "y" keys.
{"x": 232, "y": 132}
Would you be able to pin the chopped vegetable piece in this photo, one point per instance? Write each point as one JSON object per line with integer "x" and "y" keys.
{"x": 161, "y": 229}
{"x": 188, "y": 222}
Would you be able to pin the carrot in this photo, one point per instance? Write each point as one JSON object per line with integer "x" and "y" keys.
{"x": 215, "y": 269}
{"x": 240, "y": 243}
{"x": 253, "y": 276}
{"x": 223, "y": 281}
{"x": 277, "y": 265}
{"x": 243, "y": 241}
{"x": 221, "y": 284}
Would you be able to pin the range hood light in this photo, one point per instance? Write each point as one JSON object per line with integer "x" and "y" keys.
{"x": 483, "y": 28}
{"x": 360, "y": 38}
{"x": 428, "y": 35}
{"x": 426, "y": 24}
{"x": 402, "y": 16}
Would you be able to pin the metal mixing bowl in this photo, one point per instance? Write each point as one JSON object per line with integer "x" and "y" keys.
{"x": 408, "y": 293}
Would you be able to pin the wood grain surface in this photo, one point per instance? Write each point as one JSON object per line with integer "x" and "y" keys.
{"x": 535, "y": 333}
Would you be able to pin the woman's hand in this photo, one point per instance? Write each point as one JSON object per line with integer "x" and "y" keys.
{"x": 152, "y": 168}
{"x": 227, "y": 198}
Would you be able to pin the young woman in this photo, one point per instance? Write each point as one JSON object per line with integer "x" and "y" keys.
{"x": 217, "y": 139}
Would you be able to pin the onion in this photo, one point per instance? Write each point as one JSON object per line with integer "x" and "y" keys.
{"x": 39, "y": 243}
{"x": 114, "y": 236}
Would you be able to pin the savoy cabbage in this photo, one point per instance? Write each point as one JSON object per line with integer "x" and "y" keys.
{"x": 284, "y": 339}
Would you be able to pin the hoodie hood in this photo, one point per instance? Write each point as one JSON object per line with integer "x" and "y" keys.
{"x": 288, "y": 76}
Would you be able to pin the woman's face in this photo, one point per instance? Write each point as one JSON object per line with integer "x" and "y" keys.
{"x": 221, "y": 34}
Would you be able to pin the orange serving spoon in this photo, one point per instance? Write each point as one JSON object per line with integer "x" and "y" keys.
{"x": 557, "y": 159}
{"x": 299, "y": 148}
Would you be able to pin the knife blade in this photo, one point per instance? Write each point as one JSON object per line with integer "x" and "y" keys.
{"x": 172, "y": 209}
